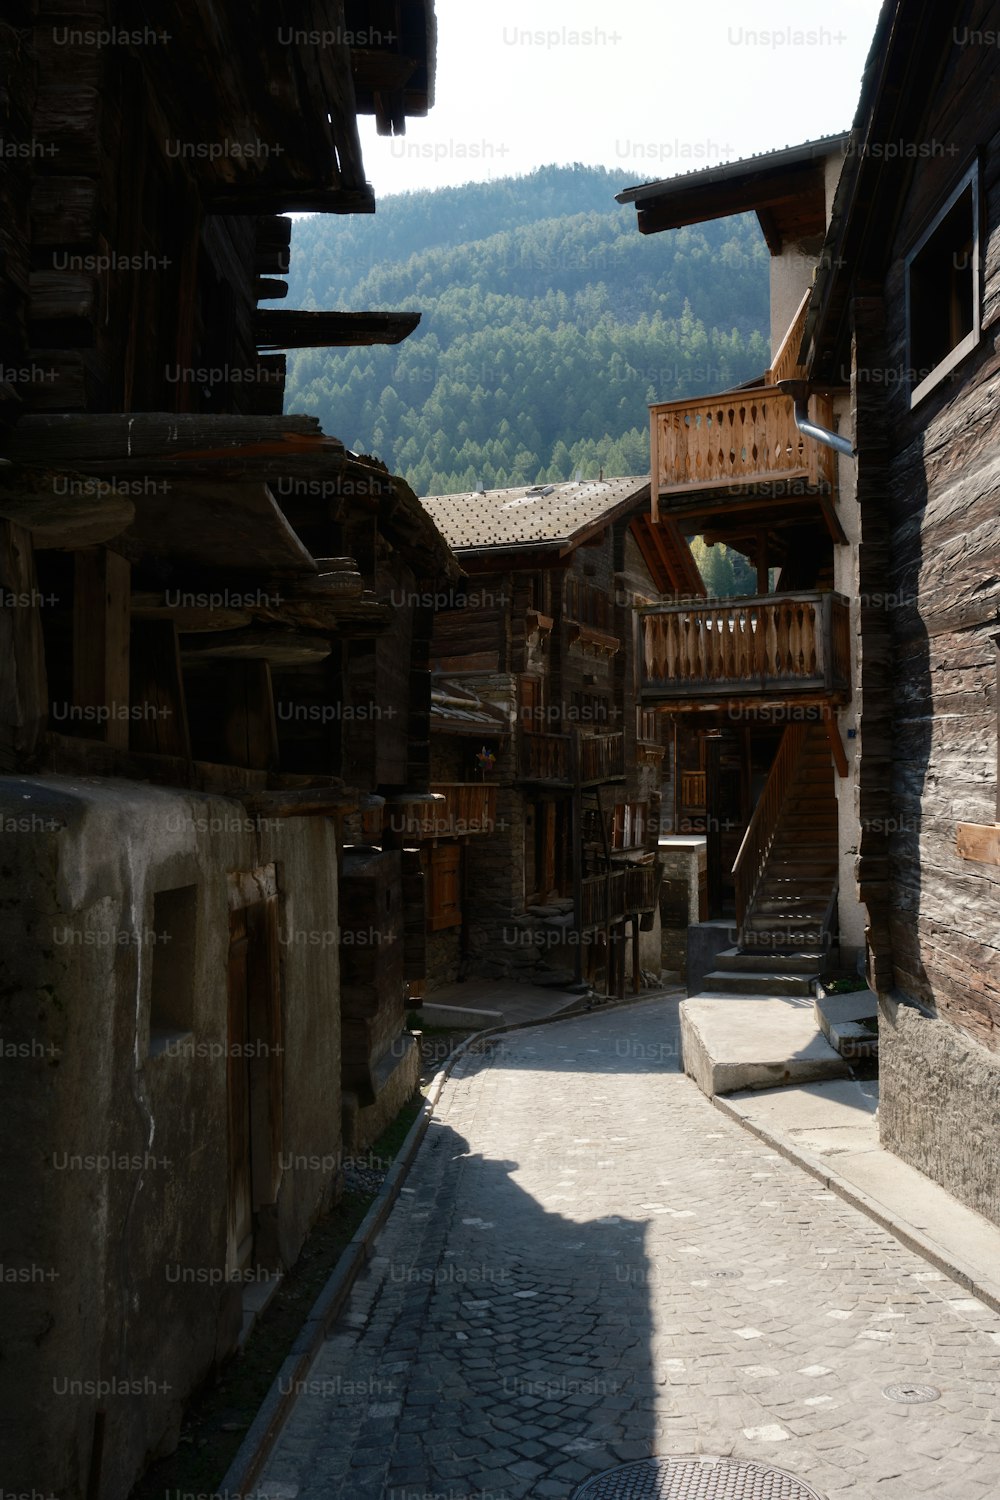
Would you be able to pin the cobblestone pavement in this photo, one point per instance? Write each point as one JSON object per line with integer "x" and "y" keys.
{"x": 591, "y": 1264}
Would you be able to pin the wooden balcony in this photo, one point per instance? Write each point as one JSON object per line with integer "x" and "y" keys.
{"x": 744, "y": 439}
{"x": 545, "y": 757}
{"x": 469, "y": 807}
{"x": 602, "y": 757}
{"x": 455, "y": 810}
{"x": 642, "y": 887}
{"x": 602, "y": 899}
{"x": 568, "y": 759}
{"x": 775, "y": 645}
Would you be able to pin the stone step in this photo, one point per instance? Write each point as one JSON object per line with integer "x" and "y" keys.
{"x": 757, "y": 982}
{"x": 771, "y": 963}
{"x": 842, "y": 1020}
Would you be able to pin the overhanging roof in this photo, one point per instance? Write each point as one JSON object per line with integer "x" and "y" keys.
{"x": 550, "y": 516}
{"x": 785, "y": 188}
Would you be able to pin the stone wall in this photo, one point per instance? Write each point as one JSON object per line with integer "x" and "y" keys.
{"x": 115, "y": 1158}
{"x": 939, "y": 1104}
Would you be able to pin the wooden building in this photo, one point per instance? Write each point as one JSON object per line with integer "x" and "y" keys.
{"x": 904, "y": 320}
{"x": 546, "y": 634}
{"x": 759, "y": 689}
{"x": 208, "y": 692}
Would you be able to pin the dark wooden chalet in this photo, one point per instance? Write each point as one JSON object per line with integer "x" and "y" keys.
{"x": 547, "y": 633}
{"x": 906, "y": 313}
{"x": 214, "y": 674}
{"x": 758, "y": 688}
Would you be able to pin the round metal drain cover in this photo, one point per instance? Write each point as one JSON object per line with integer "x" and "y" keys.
{"x": 694, "y": 1479}
{"x": 911, "y": 1395}
{"x": 726, "y": 1275}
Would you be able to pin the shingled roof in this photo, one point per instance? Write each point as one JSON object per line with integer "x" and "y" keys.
{"x": 556, "y": 516}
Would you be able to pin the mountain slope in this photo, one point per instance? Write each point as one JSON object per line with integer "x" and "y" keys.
{"x": 548, "y": 325}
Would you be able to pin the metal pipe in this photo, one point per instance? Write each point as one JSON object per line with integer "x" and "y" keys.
{"x": 820, "y": 434}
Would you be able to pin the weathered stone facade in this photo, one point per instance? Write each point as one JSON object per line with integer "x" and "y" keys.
{"x": 939, "y": 1103}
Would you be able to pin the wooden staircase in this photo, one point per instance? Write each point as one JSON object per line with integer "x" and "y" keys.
{"x": 787, "y": 868}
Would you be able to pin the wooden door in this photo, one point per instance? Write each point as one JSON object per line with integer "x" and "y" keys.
{"x": 239, "y": 1251}
{"x": 254, "y": 1075}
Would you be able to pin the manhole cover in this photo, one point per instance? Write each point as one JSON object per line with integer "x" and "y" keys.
{"x": 911, "y": 1395}
{"x": 694, "y": 1479}
{"x": 726, "y": 1275}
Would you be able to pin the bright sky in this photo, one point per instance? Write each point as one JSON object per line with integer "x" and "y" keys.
{"x": 648, "y": 88}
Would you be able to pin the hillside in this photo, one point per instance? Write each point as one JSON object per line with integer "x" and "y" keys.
{"x": 548, "y": 325}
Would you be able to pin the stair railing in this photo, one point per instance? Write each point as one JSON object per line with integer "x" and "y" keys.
{"x": 751, "y": 861}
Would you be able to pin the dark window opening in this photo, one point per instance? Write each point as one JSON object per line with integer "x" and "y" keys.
{"x": 942, "y": 290}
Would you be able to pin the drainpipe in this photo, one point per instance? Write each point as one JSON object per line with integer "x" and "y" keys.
{"x": 820, "y": 434}
{"x": 799, "y": 392}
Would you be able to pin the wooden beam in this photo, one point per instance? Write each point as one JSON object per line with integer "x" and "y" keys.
{"x": 101, "y": 644}
{"x": 285, "y": 648}
{"x": 289, "y": 328}
{"x": 310, "y": 802}
{"x": 290, "y": 198}
{"x": 836, "y": 744}
{"x": 979, "y": 842}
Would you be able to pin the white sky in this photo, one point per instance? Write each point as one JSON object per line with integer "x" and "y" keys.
{"x": 648, "y": 89}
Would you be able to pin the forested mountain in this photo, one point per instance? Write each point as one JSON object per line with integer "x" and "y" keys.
{"x": 548, "y": 325}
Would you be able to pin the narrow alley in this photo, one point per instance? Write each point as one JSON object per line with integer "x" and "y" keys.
{"x": 589, "y": 1264}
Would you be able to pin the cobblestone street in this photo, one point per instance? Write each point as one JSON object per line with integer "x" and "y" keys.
{"x": 590, "y": 1264}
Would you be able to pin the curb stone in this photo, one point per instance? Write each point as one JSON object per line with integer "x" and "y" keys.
{"x": 907, "y": 1234}
{"x": 263, "y": 1432}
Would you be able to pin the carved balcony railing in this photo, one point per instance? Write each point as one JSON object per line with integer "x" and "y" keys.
{"x": 794, "y": 645}
{"x": 745, "y": 438}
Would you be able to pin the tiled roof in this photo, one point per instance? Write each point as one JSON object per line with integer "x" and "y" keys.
{"x": 530, "y": 515}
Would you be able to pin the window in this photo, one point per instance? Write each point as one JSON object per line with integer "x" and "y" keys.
{"x": 172, "y": 981}
{"x": 943, "y": 290}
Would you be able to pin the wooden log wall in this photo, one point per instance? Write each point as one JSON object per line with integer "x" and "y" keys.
{"x": 944, "y": 578}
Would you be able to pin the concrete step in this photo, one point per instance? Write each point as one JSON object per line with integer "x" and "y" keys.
{"x": 757, "y": 982}
{"x": 731, "y": 1042}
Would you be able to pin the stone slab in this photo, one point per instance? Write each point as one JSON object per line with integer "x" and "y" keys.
{"x": 458, "y": 1017}
{"x": 733, "y": 1042}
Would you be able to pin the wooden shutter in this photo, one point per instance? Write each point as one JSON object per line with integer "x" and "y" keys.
{"x": 445, "y": 888}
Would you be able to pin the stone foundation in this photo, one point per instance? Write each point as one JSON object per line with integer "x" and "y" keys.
{"x": 939, "y": 1104}
{"x": 396, "y": 1078}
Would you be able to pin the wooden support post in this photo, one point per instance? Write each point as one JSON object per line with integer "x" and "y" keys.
{"x": 635, "y": 955}
{"x": 23, "y": 689}
{"x": 157, "y": 691}
{"x": 251, "y": 736}
{"x": 101, "y": 644}
{"x": 713, "y": 829}
{"x": 763, "y": 571}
